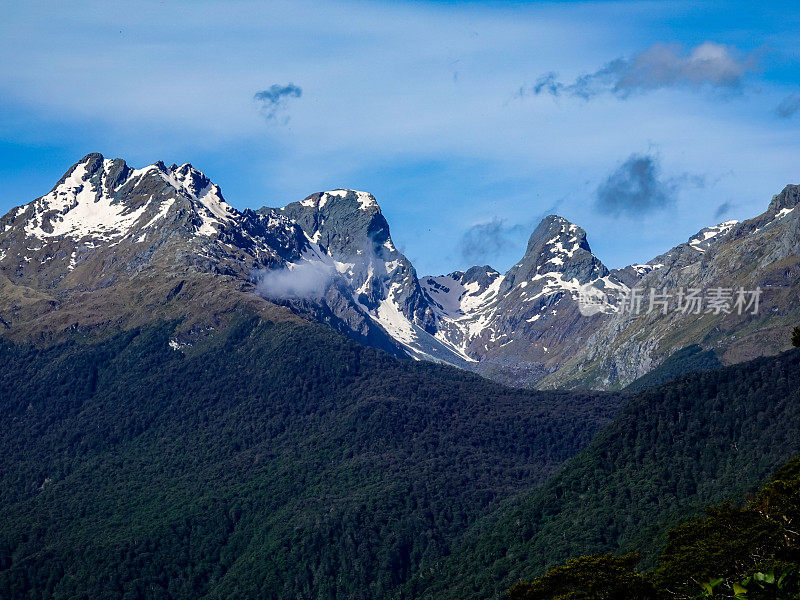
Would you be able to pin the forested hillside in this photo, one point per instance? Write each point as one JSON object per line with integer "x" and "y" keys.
{"x": 749, "y": 551}
{"x": 700, "y": 439}
{"x": 270, "y": 460}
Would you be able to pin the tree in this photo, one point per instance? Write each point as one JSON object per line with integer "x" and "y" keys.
{"x": 733, "y": 552}
{"x": 597, "y": 577}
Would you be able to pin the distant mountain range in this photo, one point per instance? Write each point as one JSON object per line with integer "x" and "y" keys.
{"x": 110, "y": 243}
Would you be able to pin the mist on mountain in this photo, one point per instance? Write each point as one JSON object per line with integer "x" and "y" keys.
{"x": 295, "y": 281}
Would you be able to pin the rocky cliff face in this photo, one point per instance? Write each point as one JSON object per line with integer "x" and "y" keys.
{"x": 348, "y": 225}
{"x": 110, "y": 242}
{"x": 379, "y": 282}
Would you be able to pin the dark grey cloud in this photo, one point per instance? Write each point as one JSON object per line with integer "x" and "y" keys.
{"x": 723, "y": 209}
{"x": 273, "y": 100}
{"x": 690, "y": 180}
{"x": 788, "y": 106}
{"x": 708, "y": 65}
{"x": 485, "y": 241}
{"x": 635, "y": 188}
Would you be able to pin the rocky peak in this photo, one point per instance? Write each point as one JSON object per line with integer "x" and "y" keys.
{"x": 786, "y": 200}
{"x": 104, "y": 218}
{"x": 105, "y": 199}
{"x": 191, "y": 181}
{"x": 697, "y": 248}
{"x": 556, "y": 246}
{"x": 482, "y": 276}
{"x": 348, "y": 226}
{"x": 344, "y": 222}
{"x": 709, "y": 236}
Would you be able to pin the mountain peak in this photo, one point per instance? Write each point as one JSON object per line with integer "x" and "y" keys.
{"x": 482, "y": 275}
{"x": 194, "y": 182}
{"x": 104, "y": 220}
{"x": 559, "y": 246}
{"x": 557, "y": 253}
{"x": 345, "y": 222}
{"x": 788, "y": 198}
{"x": 556, "y": 225}
{"x": 91, "y": 158}
{"x": 105, "y": 198}
{"x": 343, "y": 197}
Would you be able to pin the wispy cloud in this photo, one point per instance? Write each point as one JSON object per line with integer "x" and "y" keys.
{"x": 302, "y": 280}
{"x": 723, "y": 209}
{"x": 273, "y": 100}
{"x": 484, "y": 241}
{"x": 709, "y": 65}
{"x": 636, "y": 187}
{"x": 788, "y": 106}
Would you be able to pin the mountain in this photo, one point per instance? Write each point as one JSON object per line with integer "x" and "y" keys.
{"x": 762, "y": 254}
{"x": 530, "y": 327}
{"x": 700, "y": 439}
{"x": 519, "y": 326}
{"x": 107, "y": 233}
{"x": 177, "y": 425}
{"x": 379, "y": 284}
{"x": 350, "y": 227}
{"x": 157, "y": 216}
{"x": 112, "y": 246}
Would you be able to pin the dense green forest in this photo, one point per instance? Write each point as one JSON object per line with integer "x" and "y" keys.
{"x": 698, "y": 440}
{"x": 750, "y": 551}
{"x": 284, "y": 461}
{"x": 273, "y": 461}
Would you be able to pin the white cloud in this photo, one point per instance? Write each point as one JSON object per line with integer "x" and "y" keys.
{"x": 662, "y": 65}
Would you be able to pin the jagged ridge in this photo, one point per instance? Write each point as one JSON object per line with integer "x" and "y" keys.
{"x": 105, "y": 222}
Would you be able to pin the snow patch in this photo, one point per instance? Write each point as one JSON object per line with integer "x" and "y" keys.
{"x": 366, "y": 201}
{"x": 642, "y": 270}
{"x": 81, "y": 210}
{"x": 704, "y": 238}
{"x": 162, "y": 212}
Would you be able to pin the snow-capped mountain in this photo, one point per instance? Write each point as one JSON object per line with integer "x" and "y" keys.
{"x": 381, "y": 284}
{"x": 349, "y": 226}
{"x": 518, "y": 325}
{"x": 104, "y": 219}
{"x": 527, "y": 327}
{"x": 110, "y": 240}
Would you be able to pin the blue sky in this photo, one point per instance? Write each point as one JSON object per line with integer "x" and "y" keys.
{"x": 652, "y": 119}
